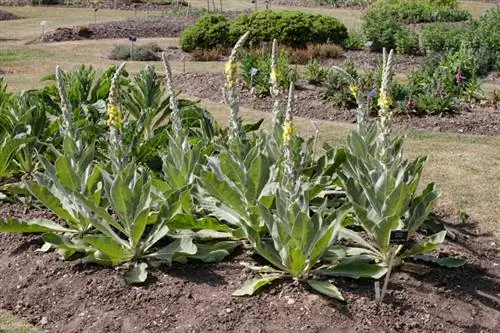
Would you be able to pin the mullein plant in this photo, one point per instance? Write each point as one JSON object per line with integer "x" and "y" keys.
{"x": 382, "y": 187}
{"x": 298, "y": 235}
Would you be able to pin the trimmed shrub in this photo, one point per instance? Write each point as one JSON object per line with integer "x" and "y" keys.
{"x": 381, "y": 31}
{"x": 439, "y": 37}
{"x": 291, "y": 28}
{"x": 407, "y": 42}
{"x": 209, "y": 32}
{"x": 147, "y": 52}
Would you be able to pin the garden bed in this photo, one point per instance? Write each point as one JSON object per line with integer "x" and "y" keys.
{"x": 170, "y": 26}
{"x": 76, "y": 297}
{"x": 471, "y": 120}
{"x": 4, "y": 16}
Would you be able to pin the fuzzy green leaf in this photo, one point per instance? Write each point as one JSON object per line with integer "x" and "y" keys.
{"x": 137, "y": 274}
{"x": 251, "y": 286}
{"x": 445, "y": 262}
{"x": 32, "y": 226}
{"x": 356, "y": 269}
{"x": 426, "y": 246}
{"x": 326, "y": 288}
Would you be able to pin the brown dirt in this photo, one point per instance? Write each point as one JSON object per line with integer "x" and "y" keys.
{"x": 7, "y": 16}
{"x": 77, "y": 297}
{"x": 308, "y": 103}
{"x": 170, "y": 26}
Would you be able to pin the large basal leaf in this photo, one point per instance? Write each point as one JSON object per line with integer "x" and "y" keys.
{"x": 356, "y": 269}
{"x": 183, "y": 245}
{"x": 64, "y": 245}
{"x": 326, "y": 288}
{"x": 209, "y": 252}
{"x": 445, "y": 261}
{"x": 36, "y": 225}
{"x": 426, "y": 246}
{"x": 251, "y": 286}
{"x": 50, "y": 201}
{"x": 113, "y": 251}
{"x": 185, "y": 221}
{"x": 137, "y": 274}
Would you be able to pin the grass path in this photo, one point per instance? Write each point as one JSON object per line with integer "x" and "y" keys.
{"x": 12, "y": 324}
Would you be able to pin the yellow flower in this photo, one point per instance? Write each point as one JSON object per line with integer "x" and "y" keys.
{"x": 353, "y": 89}
{"x": 114, "y": 116}
{"x": 231, "y": 71}
{"x": 384, "y": 102}
{"x": 288, "y": 131}
{"x": 275, "y": 73}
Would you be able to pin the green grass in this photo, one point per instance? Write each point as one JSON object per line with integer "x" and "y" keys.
{"x": 15, "y": 55}
{"x": 12, "y": 324}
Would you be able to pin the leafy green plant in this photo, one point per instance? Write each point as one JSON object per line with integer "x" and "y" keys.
{"x": 211, "y": 31}
{"x": 298, "y": 239}
{"x": 314, "y": 73}
{"x": 382, "y": 187}
{"x": 407, "y": 42}
{"x": 291, "y": 28}
{"x": 147, "y": 52}
{"x": 256, "y": 71}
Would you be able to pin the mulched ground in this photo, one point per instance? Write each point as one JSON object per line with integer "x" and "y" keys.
{"x": 169, "y": 26}
{"x": 4, "y": 16}
{"x": 308, "y": 103}
{"x": 71, "y": 297}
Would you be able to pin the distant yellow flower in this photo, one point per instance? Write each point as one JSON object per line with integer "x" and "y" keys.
{"x": 231, "y": 71}
{"x": 353, "y": 89}
{"x": 288, "y": 131}
{"x": 275, "y": 73}
{"x": 114, "y": 116}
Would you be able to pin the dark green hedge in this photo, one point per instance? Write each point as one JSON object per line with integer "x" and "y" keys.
{"x": 295, "y": 29}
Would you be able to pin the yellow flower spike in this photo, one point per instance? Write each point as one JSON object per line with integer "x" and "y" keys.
{"x": 114, "y": 116}
{"x": 231, "y": 71}
{"x": 275, "y": 73}
{"x": 384, "y": 102}
{"x": 288, "y": 131}
{"x": 353, "y": 89}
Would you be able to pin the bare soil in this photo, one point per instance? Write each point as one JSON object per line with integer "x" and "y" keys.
{"x": 4, "y": 16}
{"x": 74, "y": 296}
{"x": 168, "y": 26}
{"x": 309, "y": 103}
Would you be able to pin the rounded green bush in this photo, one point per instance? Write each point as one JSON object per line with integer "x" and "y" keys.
{"x": 292, "y": 28}
{"x": 209, "y": 32}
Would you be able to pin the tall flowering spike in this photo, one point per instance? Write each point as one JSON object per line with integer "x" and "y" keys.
{"x": 174, "y": 105}
{"x": 230, "y": 93}
{"x": 384, "y": 101}
{"x": 274, "y": 76}
{"x": 115, "y": 118}
{"x": 65, "y": 105}
{"x": 274, "y": 85}
{"x": 288, "y": 132}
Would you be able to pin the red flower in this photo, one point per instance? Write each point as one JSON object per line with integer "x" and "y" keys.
{"x": 459, "y": 77}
